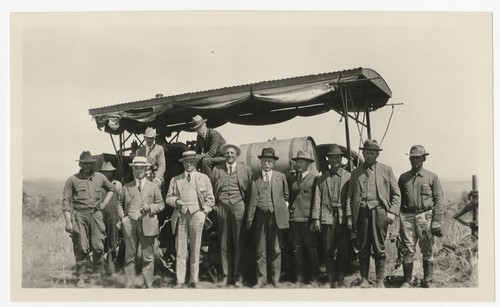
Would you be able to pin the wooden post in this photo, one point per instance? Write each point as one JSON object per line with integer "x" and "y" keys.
{"x": 346, "y": 121}
{"x": 475, "y": 199}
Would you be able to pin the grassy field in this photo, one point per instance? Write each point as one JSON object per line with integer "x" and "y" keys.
{"x": 48, "y": 261}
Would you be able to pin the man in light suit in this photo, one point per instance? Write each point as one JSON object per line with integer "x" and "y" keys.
{"x": 141, "y": 201}
{"x": 269, "y": 207}
{"x": 155, "y": 155}
{"x": 208, "y": 145}
{"x": 191, "y": 196}
{"x": 374, "y": 197}
{"x": 331, "y": 217}
{"x": 231, "y": 182}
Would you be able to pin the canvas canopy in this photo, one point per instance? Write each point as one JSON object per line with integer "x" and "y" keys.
{"x": 263, "y": 103}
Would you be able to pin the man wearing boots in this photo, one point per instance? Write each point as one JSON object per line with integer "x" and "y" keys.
{"x": 302, "y": 189}
{"x": 374, "y": 198}
{"x": 332, "y": 217}
{"x": 421, "y": 214}
{"x": 82, "y": 206}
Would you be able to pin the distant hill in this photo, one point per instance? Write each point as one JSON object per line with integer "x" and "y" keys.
{"x": 453, "y": 190}
{"x": 48, "y": 187}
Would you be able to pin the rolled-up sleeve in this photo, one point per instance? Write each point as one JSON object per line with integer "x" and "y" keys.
{"x": 67, "y": 204}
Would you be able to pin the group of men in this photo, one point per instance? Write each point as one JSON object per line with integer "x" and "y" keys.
{"x": 315, "y": 211}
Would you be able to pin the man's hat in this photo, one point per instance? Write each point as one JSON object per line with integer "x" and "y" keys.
{"x": 371, "y": 145}
{"x": 417, "y": 150}
{"x": 150, "y": 133}
{"x": 140, "y": 161}
{"x": 268, "y": 153}
{"x": 225, "y": 146}
{"x": 188, "y": 155}
{"x": 107, "y": 167}
{"x": 86, "y": 157}
{"x": 334, "y": 150}
{"x": 302, "y": 156}
{"x": 197, "y": 121}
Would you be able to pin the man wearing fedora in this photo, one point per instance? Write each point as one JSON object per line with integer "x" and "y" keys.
{"x": 191, "y": 196}
{"x": 208, "y": 145}
{"x": 231, "y": 182}
{"x": 111, "y": 218}
{"x": 82, "y": 206}
{"x": 374, "y": 198}
{"x": 155, "y": 155}
{"x": 331, "y": 217}
{"x": 141, "y": 201}
{"x": 269, "y": 208}
{"x": 301, "y": 189}
{"x": 421, "y": 213}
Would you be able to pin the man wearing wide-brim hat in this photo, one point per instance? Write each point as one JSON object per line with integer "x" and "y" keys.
{"x": 208, "y": 145}
{"x": 269, "y": 208}
{"x": 191, "y": 196}
{"x": 138, "y": 209}
{"x": 374, "y": 197}
{"x": 421, "y": 214}
{"x": 82, "y": 206}
{"x": 332, "y": 218}
{"x": 155, "y": 155}
{"x": 232, "y": 183}
{"x": 111, "y": 218}
{"x": 301, "y": 189}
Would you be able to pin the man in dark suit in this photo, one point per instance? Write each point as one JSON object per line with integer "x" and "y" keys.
{"x": 331, "y": 217}
{"x": 208, "y": 145}
{"x": 231, "y": 182}
{"x": 141, "y": 201}
{"x": 269, "y": 207}
{"x": 374, "y": 197}
{"x": 301, "y": 198}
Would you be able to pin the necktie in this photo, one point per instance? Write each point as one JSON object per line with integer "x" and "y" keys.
{"x": 300, "y": 178}
{"x": 139, "y": 186}
{"x": 230, "y": 169}
{"x": 266, "y": 178}
{"x": 189, "y": 178}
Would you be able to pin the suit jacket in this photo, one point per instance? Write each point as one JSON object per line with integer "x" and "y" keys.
{"x": 203, "y": 189}
{"x": 149, "y": 195}
{"x": 302, "y": 197}
{"x": 157, "y": 159}
{"x": 322, "y": 210}
{"x": 279, "y": 194}
{"x": 244, "y": 175}
{"x": 209, "y": 146}
{"x": 388, "y": 191}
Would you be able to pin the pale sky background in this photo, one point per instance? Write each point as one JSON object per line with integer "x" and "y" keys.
{"x": 438, "y": 65}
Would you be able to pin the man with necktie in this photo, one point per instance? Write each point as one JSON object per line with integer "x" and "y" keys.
{"x": 331, "y": 217}
{"x": 301, "y": 199}
{"x": 191, "y": 196}
{"x": 374, "y": 197}
{"x": 231, "y": 182}
{"x": 141, "y": 201}
{"x": 269, "y": 208}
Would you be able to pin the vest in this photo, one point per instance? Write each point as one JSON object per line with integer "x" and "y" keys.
{"x": 189, "y": 196}
{"x": 265, "y": 199}
{"x": 230, "y": 192}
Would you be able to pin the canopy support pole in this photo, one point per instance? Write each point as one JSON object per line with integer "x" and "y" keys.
{"x": 346, "y": 122}
{"x": 118, "y": 155}
{"x": 367, "y": 112}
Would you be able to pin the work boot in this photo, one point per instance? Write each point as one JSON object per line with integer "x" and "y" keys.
{"x": 300, "y": 280}
{"x": 428, "y": 274}
{"x": 223, "y": 282}
{"x": 380, "y": 271}
{"x": 407, "y": 274}
{"x": 341, "y": 264}
{"x": 364, "y": 268}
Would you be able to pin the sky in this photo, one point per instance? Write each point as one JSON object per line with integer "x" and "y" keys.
{"x": 439, "y": 65}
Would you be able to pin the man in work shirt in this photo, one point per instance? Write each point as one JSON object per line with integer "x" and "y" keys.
{"x": 269, "y": 207}
{"x": 208, "y": 145}
{"x": 82, "y": 206}
{"x": 374, "y": 198}
{"x": 155, "y": 155}
{"x": 332, "y": 217}
{"x": 191, "y": 196}
{"x": 301, "y": 189}
{"x": 231, "y": 182}
{"x": 421, "y": 214}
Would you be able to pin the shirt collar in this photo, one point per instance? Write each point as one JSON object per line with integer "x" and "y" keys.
{"x": 338, "y": 172}
{"x": 232, "y": 165}
{"x": 371, "y": 167}
{"x": 140, "y": 182}
{"x": 192, "y": 173}
{"x": 81, "y": 176}
{"x": 419, "y": 172}
{"x": 304, "y": 174}
{"x": 270, "y": 173}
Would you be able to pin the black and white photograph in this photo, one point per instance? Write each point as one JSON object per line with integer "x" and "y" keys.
{"x": 251, "y": 155}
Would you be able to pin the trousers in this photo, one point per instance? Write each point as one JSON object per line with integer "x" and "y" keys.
{"x": 372, "y": 230}
{"x": 268, "y": 241}
{"x": 189, "y": 231}
{"x": 417, "y": 228}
